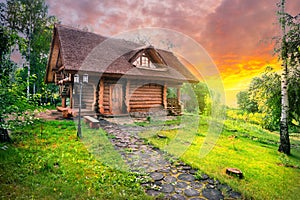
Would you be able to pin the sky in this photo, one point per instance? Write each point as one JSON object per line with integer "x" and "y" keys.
{"x": 237, "y": 34}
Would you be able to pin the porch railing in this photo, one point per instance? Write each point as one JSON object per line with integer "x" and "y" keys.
{"x": 173, "y": 106}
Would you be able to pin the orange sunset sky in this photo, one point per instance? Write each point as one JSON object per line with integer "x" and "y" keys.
{"x": 237, "y": 34}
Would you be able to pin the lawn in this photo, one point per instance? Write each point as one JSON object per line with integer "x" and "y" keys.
{"x": 267, "y": 173}
{"x": 47, "y": 161}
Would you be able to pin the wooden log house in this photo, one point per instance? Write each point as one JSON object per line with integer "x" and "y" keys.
{"x": 124, "y": 77}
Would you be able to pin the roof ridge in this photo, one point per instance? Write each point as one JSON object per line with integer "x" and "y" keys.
{"x": 56, "y": 25}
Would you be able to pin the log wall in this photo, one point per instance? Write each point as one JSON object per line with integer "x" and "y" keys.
{"x": 88, "y": 95}
{"x": 145, "y": 97}
{"x": 138, "y": 96}
{"x": 87, "y": 98}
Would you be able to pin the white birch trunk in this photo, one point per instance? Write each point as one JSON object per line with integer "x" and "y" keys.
{"x": 284, "y": 132}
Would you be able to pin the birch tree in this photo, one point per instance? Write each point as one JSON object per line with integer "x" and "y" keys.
{"x": 289, "y": 53}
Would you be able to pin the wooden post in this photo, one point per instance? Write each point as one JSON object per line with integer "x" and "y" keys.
{"x": 165, "y": 96}
{"x": 71, "y": 96}
{"x": 95, "y": 97}
{"x": 101, "y": 95}
{"x": 110, "y": 98}
{"x": 63, "y": 102}
{"x": 127, "y": 95}
{"x": 178, "y": 94}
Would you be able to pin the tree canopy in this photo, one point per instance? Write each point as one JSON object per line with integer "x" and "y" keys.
{"x": 25, "y": 28}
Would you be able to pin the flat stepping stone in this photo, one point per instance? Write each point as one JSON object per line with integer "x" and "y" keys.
{"x": 212, "y": 194}
{"x": 196, "y": 185}
{"x": 152, "y": 192}
{"x": 167, "y": 188}
{"x": 235, "y": 195}
{"x": 177, "y": 197}
{"x": 209, "y": 186}
{"x": 186, "y": 167}
{"x": 122, "y": 145}
{"x": 191, "y": 192}
{"x": 165, "y": 170}
{"x": 133, "y": 146}
{"x": 159, "y": 183}
{"x": 204, "y": 177}
{"x": 211, "y": 181}
{"x": 156, "y": 176}
{"x": 170, "y": 179}
{"x": 181, "y": 185}
{"x": 145, "y": 156}
{"x": 178, "y": 191}
{"x": 186, "y": 177}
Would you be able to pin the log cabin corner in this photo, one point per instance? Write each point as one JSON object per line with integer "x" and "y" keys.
{"x": 124, "y": 77}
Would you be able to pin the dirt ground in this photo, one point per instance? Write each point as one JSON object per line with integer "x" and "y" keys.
{"x": 50, "y": 115}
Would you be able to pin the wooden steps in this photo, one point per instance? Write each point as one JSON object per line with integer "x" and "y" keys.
{"x": 173, "y": 106}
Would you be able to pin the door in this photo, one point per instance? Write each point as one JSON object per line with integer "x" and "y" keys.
{"x": 117, "y": 99}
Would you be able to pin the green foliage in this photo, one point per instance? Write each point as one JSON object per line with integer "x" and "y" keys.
{"x": 245, "y": 103}
{"x": 287, "y": 46}
{"x": 253, "y": 118}
{"x": 171, "y": 93}
{"x": 30, "y": 22}
{"x": 265, "y": 91}
{"x": 264, "y": 94}
{"x": 13, "y": 104}
{"x": 47, "y": 162}
{"x": 23, "y": 23}
{"x": 294, "y": 100}
{"x": 194, "y": 97}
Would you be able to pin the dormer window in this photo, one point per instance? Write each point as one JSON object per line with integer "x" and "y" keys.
{"x": 148, "y": 59}
{"x": 144, "y": 61}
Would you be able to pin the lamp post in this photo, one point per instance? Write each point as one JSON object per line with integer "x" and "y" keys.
{"x": 85, "y": 79}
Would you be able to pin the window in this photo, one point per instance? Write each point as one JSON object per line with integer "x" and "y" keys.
{"x": 144, "y": 61}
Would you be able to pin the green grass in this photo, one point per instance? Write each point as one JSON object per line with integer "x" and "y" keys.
{"x": 156, "y": 122}
{"x": 47, "y": 161}
{"x": 268, "y": 174}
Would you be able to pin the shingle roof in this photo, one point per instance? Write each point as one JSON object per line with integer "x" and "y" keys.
{"x": 85, "y": 51}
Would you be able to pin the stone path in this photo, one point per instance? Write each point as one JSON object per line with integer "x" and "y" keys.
{"x": 173, "y": 180}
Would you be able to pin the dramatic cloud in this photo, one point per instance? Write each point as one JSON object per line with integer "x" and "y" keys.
{"x": 240, "y": 27}
{"x": 113, "y": 16}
